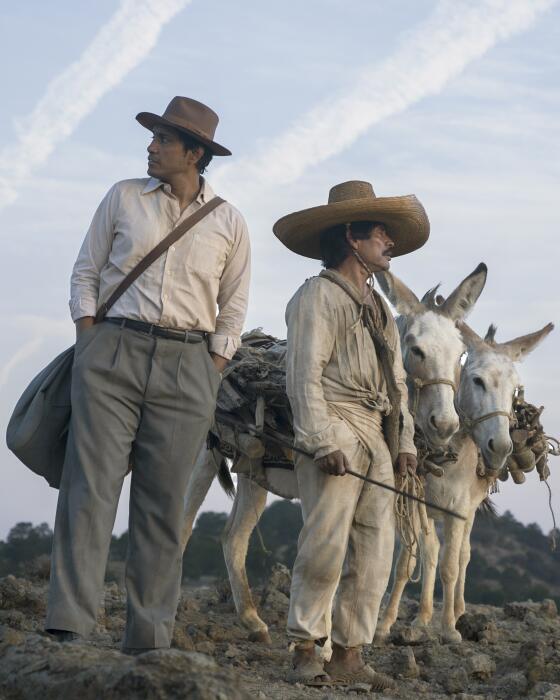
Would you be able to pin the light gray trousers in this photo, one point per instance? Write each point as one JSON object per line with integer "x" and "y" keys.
{"x": 152, "y": 398}
{"x": 347, "y": 542}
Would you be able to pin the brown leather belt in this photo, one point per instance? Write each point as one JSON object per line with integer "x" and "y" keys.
{"x": 159, "y": 331}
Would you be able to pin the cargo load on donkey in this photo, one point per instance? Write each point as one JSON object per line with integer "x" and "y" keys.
{"x": 252, "y": 400}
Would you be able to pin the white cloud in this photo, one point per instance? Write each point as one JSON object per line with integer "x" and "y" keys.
{"x": 119, "y": 46}
{"x": 439, "y": 49}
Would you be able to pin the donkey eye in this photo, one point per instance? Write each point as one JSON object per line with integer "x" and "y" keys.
{"x": 479, "y": 382}
{"x": 416, "y": 350}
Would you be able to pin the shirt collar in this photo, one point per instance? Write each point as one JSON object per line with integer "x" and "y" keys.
{"x": 205, "y": 194}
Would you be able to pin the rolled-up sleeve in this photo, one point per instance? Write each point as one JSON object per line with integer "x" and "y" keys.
{"x": 93, "y": 256}
{"x": 233, "y": 295}
{"x": 311, "y": 339}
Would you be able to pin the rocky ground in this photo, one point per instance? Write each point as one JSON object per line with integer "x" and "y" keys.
{"x": 512, "y": 652}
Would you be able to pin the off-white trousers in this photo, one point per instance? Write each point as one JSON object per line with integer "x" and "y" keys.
{"x": 154, "y": 399}
{"x": 347, "y": 541}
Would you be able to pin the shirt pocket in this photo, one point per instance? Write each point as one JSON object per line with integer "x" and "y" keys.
{"x": 205, "y": 257}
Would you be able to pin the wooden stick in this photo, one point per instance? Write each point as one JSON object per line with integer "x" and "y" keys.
{"x": 273, "y": 436}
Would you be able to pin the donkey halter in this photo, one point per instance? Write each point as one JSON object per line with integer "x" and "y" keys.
{"x": 470, "y": 423}
{"x": 419, "y": 384}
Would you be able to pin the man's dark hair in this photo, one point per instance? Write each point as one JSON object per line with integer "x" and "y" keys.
{"x": 334, "y": 246}
{"x": 190, "y": 144}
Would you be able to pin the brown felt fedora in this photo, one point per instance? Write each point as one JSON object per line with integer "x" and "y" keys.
{"x": 404, "y": 217}
{"x": 190, "y": 116}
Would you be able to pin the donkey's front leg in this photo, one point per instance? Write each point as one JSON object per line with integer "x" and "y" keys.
{"x": 464, "y": 558}
{"x": 402, "y": 573}
{"x": 453, "y": 535}
{"x": 250, "y": 501}
{"x": 430, "y": 552}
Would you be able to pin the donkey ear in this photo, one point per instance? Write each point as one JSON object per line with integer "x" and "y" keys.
{"x": 470, "y": 337}
{"x": 459, "y": 303}
{"x": 490, "y": 336}
{"x": 400, "y": 296}
{"x": 518, "y": 348}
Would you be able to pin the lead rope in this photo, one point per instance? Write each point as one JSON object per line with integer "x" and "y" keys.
{"x": 553, "y": 543}
{"x": 552, "y": 450}
{"x": 404, "y": 516}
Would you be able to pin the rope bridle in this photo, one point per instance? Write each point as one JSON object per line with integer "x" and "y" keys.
{"x": 470, "y": 423}
{"x": 419, "y": 384}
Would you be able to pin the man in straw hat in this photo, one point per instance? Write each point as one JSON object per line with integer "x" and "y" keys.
{"x": 145, "y": 380}
{"x": 346, "y": 385}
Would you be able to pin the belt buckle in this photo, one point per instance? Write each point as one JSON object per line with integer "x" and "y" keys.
{"x": 151, "y": 331}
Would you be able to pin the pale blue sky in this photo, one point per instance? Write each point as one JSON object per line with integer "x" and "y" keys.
{"x": 479, "y": 145}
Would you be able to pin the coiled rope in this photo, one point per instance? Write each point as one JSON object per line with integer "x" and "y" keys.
{"x": 405, "y": 520}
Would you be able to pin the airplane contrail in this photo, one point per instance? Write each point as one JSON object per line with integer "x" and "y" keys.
{"x": 42, "y": 328}
{"x": 456, "y": 34}
{"x": 119, "y": 46}
{"x": 21, "y": 355}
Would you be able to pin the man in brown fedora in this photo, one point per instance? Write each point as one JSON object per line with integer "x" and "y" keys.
{"x": 145, "y": 379}
{"x": 346, "y": 386}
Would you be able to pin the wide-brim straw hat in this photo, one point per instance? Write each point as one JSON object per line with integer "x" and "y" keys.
{"x": 190, "y": 116}
{"x": 404, "y": 217}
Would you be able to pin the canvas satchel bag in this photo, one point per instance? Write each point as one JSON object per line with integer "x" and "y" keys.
{"x": 38, "y": 428}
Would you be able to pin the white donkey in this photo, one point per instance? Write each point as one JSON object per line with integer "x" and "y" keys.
{"x": 432, "y": 349}
{"x": 487, "y": 385}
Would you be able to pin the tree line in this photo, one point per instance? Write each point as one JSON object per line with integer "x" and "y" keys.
{"x": 510, "y": 561}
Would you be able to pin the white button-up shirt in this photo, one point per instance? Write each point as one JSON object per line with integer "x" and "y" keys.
{"x": 200, "y": 283}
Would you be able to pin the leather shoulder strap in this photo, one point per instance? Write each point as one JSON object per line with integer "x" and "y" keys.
{"x": 155, "y": 253}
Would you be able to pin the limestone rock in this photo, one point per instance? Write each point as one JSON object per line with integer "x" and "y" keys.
{"x": 206, "y": 647}
{"x": 232, "y": 652}
{"x": 404, "y": 663}
{"x": 513, "y": 685}
{"x": 546, "y": 691}
{"x": 46, "y": 669}
{"x": 182, "y": 640}
{"x": 530, "y": 612}
{"x": 481, "y": 666}
{"x": 477, "y": 627}
{"x": 409, "y": 635}
{"x": 455, "y": 681}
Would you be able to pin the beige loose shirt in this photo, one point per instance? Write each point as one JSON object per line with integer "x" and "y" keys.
{"x": 200, "y": 283}
{"x": 333, "y": 379}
